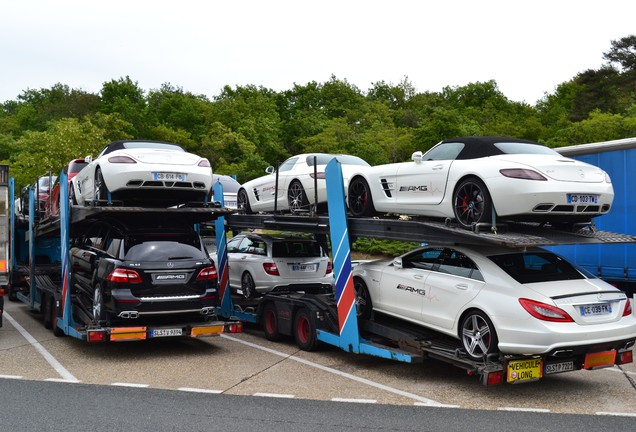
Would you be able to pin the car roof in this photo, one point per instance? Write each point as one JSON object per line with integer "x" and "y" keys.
{"x": 483, "y": 146}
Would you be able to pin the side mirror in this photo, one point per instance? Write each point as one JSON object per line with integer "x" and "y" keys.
{"x": 397, "y": 263}
{"x": 417, "y": 157}
{"x": 88, "y": 159}
{"x": 270, "y": 170}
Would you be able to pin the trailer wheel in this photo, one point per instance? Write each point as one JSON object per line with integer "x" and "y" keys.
{"x": 364, "y": 307}
{"x": 478, "y": 335}
{"x": 47, "y": 306}
{"x": 305, "y": 330}
{"x": 270, "y": 322}
{"x": 56, "y": 330}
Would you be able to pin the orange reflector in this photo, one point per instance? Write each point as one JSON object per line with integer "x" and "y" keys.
{"x": 625, "y": 357}
{"x": 206, "y": 331}
{"x": 599, "y": 359}
{"x": 128, "y": 333}
{"x": 96, "y": 336}
{"x": 3, "y": 265}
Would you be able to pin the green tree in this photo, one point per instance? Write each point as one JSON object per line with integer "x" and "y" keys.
{"x": 124, "y": 97}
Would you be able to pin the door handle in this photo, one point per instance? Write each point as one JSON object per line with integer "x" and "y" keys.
{"x": 461, "y": 286}
{"x": 438, "y": 167}
{"x": 418, "y": 277}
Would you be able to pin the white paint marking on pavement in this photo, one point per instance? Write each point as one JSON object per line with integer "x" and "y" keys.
{"x": 439, "y": 406}
{"x": 62, "y": 380}
{"x": 120, "y": 384}
{"x": 199, "y": 390}
{"x": 275, "y": 395}
{"x": 64, "y": 373}
{"x": 366, "y": 401}
{"x": 603, "y": 413}
{"x": 11, "y": 376}
{"x": 518, "y": 409}
{"x": 423, "y": 400}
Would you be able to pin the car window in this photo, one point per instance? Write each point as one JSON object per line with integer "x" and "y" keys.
{"x": 444, "y": 151}
{"x": 114, "y": 244}
{"x": 532, "y": 267}
{"x": 232, "y": 245}
{"x": 76, "y": 167}
{"x": 425, "y": 259}
{"x": 288, "y": 164}
{"x": 95, "y": 236}
{"x": 296, "y": 249}
{"x": 163, "y": 247}
{"x": 155, "y": 145}
{"x": 257, "y": 247}
{"x": 456, "y": 263}
{"x": 524, "y": 148}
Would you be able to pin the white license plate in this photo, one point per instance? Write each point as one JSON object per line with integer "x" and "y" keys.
{"x": 169, "y": 176}
{"x": 166, "y": 332}
{"x": 596, "y": 309}
{"x": 552, "y": 368}
{"x": 230, "y": 204}
{"x": 303, "y": 267}
{"x": 582, "y": 199}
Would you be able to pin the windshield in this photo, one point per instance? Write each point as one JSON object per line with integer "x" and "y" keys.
{"x": 156, "y": 145}
{"x": 163, "y": 247}
{"x": 296, "y": 249}
{"x": 324, "y": 159}
{"x": 532, "y": 267}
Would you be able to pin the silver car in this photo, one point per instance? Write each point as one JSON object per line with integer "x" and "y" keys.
{"x": 260, "y": 263}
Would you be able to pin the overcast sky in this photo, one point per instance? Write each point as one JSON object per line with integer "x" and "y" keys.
{"x": 527, "y": 47}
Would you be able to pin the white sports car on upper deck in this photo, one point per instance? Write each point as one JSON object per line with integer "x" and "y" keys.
{"x": 471, "y": 179}
{"x": 296, "y": 182}
{"x": 143, "y": 172}
{"x": 497, "y": 299}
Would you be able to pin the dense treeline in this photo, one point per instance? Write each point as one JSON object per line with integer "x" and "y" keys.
{"x": 246, "y": 128}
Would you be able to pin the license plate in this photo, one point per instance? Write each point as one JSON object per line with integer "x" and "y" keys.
{"x": 552, "y": 368}
{"x": 169, "y": 176}
{"x": 524, "y": 370}
{"x": 230, "y": 204}
{"x": 596, "y": 309}
{"x": 582, "y": 199}
{"x": 303, "y": 267}
{"x": 166, "y": 332}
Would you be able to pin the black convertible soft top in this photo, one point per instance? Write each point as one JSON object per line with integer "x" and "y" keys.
{"x": 483, "y": 146}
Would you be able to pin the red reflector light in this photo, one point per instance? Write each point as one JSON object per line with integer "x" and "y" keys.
{"x": 96, "y": 336}
{"x": 628, "y": 308}
{"x": 545, "y": 312}
{"x": 121, "y": 275}
{"x": 493, "y": 378}
{"x": 329, "y": 268}
{"x": 1, "y": 292}
{"x": 625, "y": 357}
{"x": 208, "y": 273}
{"x": 271, "y": 269}
{"x": 235, "y": 328}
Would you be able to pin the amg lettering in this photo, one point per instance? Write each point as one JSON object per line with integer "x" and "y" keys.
{"x": 413, "y": 188}
{"x": 170, "y": 277}
{"x": 411, "y": 289}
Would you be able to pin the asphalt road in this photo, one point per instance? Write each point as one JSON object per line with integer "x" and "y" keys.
{"x": 245, "y": 374}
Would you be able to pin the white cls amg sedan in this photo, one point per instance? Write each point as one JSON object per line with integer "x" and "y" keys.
{"x": 143, "y": 172}
{"x": 496, "y": 299}
{"x": 471, "y": 179}
{"x": 296, "y": 183}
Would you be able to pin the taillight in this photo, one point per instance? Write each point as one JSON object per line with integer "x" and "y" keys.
{"x": 120, "y": 275}
{"x": 628, "y": 308}
{"x": 524, "y": 174}
{"x": 204, "y": 163}
{"x": 271, "y": 269}
{"x": 121, "y": 159}
{"x": 545, "y": 312}
{"x": 329, "y": 268}
{"x": 208, "y": 273}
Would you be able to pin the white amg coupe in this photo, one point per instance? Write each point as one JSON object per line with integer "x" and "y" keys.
{"x": 143, "y": 172}
{"x": 298, "y": 178}
{"x": 499, "y": 300}
{"x": 472, "y": 179}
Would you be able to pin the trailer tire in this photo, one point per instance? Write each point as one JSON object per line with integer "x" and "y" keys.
{"x": 305, "y": 330}
{"x": 47, "y": 315}
{"x": 478, "y": 335}
{"x": 270, "y": 322}
{"x": 56, "y": 330}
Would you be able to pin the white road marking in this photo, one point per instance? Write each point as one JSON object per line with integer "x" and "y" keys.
{"x": 62, "y": 380}
{"x": 11, "y": 376}
{"x": 120, "y": 384}
{"x": 367, "y": 401}
{"x": 199, "y": 390}
{"x": 61, "y": 370}
{"x": 275, "y": 395}
{"x": 518, "y": 409}
{"x": 616, "y": 414}
{"x": 439, "y": 406}
{"x": 423, "y": 400}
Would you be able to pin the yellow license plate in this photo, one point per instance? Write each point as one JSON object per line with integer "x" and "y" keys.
{"x": 525, "y": 370}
